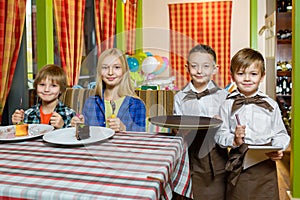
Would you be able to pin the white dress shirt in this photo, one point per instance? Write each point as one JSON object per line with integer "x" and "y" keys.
{"x": 262, "y": 126}
{"x": 207, "y": 106}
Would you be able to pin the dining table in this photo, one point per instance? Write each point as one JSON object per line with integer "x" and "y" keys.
{"x": 129, "y": 165}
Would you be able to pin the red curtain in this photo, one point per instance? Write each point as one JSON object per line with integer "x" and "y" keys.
{"x": 69, "y": 18}
{"x": 193, "y": 23}
{"x": 12, "y": 19}
{"x": 105, "y": 23}
{"x": 130, "y": 15}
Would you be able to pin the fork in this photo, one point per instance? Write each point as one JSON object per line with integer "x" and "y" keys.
{"x": 113, "y": 107}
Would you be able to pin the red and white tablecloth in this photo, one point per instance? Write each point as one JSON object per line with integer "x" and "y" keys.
{"x": 128, "y": 166}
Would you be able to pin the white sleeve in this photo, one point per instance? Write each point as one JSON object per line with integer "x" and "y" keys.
{"x": 281, "y": 137}
{"x": 224, "y": 137}
{"x": 177, "y": 105}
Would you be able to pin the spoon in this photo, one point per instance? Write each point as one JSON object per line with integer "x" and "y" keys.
{"x": 113, "y": 107}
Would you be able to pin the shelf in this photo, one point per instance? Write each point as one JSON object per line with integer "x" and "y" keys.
{"x": 283, "y": 21}
{"x": 284, "y": 41}
{"x": 284, "y": 53}
{"x": 283, "y": 96}
{"x": 284, "y": 73}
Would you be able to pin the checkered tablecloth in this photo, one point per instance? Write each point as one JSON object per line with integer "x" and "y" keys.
{"x": 128, "y": 166}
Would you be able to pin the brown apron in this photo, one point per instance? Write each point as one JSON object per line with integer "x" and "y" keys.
{"x": 254, "y": 183}
{"x": 208, "y": 173}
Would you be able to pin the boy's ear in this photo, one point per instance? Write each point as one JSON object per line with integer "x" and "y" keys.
{"x": 232, "y": 77}
{"x": 262, "y": 78}
{"x": 187, "y": 68}
{"x": 216, "y": 69}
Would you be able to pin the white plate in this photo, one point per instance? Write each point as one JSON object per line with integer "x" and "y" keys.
{"x": 66, "y": 136}
{"x": 7, "y": 133}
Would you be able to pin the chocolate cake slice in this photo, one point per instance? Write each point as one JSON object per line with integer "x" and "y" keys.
{"x": 82, "y": 131}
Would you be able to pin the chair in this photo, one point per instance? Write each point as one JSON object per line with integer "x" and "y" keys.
{"x": 157, "y": 102}
{"x": 75, "y": 98}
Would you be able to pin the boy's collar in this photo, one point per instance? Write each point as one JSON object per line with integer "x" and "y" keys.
{"x": 211, "y": 84}
{"x": 236, "y": 92}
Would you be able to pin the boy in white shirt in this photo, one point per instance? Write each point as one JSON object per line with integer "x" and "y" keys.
{"x": 251, "y": 118}
{"x": 202, "y": 97}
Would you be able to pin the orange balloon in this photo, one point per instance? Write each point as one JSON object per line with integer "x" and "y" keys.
{"x": 160, "y": 62}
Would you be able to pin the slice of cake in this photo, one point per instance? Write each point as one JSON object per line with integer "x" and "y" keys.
{"x": 82, "y": 131}
{"x": 21, "y": 130}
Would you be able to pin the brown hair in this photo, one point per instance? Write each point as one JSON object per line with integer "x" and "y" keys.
{"x": 246, "y": 57}
{"x": 55, "y": 73}
{"x": 202, "y": 48}
{"x": 125, "y": 84}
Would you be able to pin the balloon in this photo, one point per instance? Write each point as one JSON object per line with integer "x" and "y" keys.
{"x": 149, "y": 64}
{"x": 137, "y": 78}
{"x": 133, "y": 64}
{"x": 163, "y": 67}
{"x": 161, "y": 70}
{"x": 150, "y": 76}
{"x": 140, "y": 57}
{"x": 148, "y": 54}
{"x": 166, "y": 61}
{"x": 159, "y": 66}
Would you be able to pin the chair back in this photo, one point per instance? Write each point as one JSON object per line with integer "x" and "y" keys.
{"x": 75, "y": 98}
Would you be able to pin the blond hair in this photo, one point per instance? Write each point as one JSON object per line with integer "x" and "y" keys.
{"x": 125, "y": 88}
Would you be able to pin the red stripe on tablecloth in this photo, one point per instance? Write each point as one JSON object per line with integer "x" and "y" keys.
{"x": 39, "y": 150}
{"x": 85, "y": 156}
{"x": 177, "y": 179}
{"x": 79, "y": 190}
{"x": 64, "y": 156}
{"x": 60, "y": 154}
{"x": 81, "y": 180}
{"x": 78, "y": 165}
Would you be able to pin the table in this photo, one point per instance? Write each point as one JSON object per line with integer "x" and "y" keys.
{"x": 131, "y": 165}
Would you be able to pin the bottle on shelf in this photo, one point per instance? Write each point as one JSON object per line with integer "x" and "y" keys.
{"x": 284, "y": 5}
{"x": 279, "y": 85}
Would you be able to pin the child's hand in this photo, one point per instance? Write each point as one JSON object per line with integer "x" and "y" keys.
{"x": 116, "y": 124}
{"x": 56, "y": 120}
{"x": 275, "y": 155}
{"x": 174, "y": 131}
{"x": 217, "y": 117}
{"x": 18, "y": 116}
{"x": 239, "y": 135}
{"x": 77, "y": 119}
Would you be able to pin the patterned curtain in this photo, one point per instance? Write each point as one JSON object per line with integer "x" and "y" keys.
{"x": 207, "y": 23}
{"x": 12, "y": 19}
{"x": 130, "y": 12}
{"x": 105, "y": 23}
{"x": 69, "y": 18}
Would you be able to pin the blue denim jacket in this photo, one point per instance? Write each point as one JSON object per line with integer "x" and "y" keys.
{"x": 132, "y": 113}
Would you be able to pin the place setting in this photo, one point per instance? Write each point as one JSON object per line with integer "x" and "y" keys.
{"x": 74, "y": 136}
{"x": 79, "y": 135}
{"x": 20, "y": 132}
